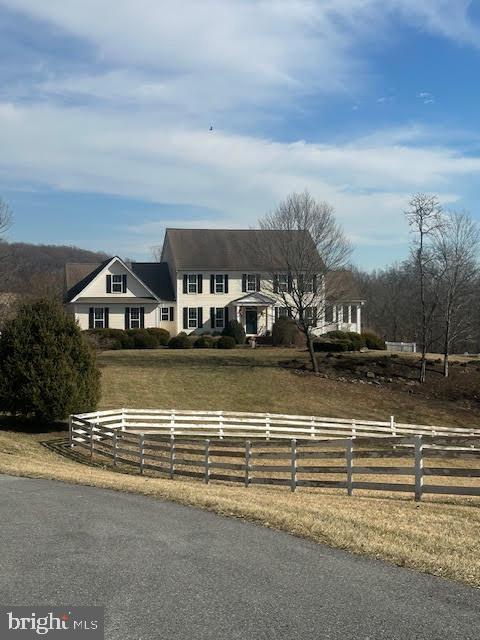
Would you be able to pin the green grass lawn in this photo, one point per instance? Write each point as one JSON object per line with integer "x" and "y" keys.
{"x": 254, "y": 380}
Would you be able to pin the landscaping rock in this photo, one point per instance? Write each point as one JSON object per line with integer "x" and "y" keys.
{"x": 370, "y": 375}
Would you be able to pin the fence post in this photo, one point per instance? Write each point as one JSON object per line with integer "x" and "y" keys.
{"x": 220, "y": 426}
{"x": 114, "y": 447}
{"x": 267, "y": 426}
{"x": 293, "y": 481}
{"x": 91, "y": 441}
{"x": 123, "y": 420}
{"x": 207, "y": 461}
{"x": 349, "y": 461}
{"x": 418, "y": 468}
{"x": 392, "y": 426}
{"x": 354, "y": 429}
{"x": 141, "y": 441}
{"x": 70, "y": 432}
{"x": 172, "y": 456}
{"x": 248, "y": 455}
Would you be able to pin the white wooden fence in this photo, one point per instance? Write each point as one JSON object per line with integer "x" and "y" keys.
{"x": 280, "y": 459}
{"x": 264, "y": 425}
{"x": 408, "y": 347}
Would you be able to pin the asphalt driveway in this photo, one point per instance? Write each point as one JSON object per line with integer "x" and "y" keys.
{"x": 166, "y": 571}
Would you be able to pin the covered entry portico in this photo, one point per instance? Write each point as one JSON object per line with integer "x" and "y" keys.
{"x": 255, "y": 312}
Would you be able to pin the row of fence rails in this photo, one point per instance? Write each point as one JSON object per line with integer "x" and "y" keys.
{"x": 218, "y": 424}
{"x": 416, "y": 464}
{"x": 242, "y": 425}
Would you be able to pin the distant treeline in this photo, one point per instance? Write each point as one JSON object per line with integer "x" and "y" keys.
{"x": 38, "y": 269}
{"x": 392, "y": 309}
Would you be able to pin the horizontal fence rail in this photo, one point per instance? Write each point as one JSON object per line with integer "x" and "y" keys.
{"x": 245, "y": 448}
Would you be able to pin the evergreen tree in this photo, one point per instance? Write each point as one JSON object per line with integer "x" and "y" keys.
{"x": 47, "y": 370}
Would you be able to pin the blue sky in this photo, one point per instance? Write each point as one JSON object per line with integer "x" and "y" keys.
{"x": 106, "y": 105}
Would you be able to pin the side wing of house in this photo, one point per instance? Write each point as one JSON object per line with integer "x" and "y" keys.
{"x": 113, "y": 295}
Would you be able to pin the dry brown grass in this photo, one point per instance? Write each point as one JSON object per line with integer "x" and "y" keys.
{"x": 252, "y": 380}
{"x": 437, "y": 537}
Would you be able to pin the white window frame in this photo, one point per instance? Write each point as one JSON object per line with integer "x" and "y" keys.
{"x": 134, "y": 323}
{"x": 164, "y": 311}
{"x": 309, "y": 285}
{"x": 219, "y": 283}
{"x": 251, "y": 284}
{"x": 99, "y": 322}
{"x": 192, "y": 317}
{"x": 219, "y": 318}
{"x": 310, "y": 315}
{"x": 192, "y": 283}
{"x": 282, "y": 312}
{"x": 117, "y": 283}
{"x": 283, "y": 283}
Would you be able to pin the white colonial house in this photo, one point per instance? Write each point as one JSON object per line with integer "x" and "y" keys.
{"x": 205, "y": 278}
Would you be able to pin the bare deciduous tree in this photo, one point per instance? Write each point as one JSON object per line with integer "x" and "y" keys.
{"x": 425, "y": 220}
{"x": 6, "y": 218}
{"x": 456, "y": 248}
{"x": 156, "y": 252}
{"x": 304, "y": 245}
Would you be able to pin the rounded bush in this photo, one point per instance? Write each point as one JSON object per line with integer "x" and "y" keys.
{"x": 285, "y": 333}
{"x": 162, "y": 336}
{"x": 180, "y": 342}
{"x": 226, "y": 342}
{"x": 142, "y": 339}
{"x": 204, "y": 342}
{"x": 372, "y": 341}
{"x": 47, "y": 369}
{"x": 234, "y": 330}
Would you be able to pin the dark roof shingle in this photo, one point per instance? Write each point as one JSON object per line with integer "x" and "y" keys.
{"x": 228, "y": 249}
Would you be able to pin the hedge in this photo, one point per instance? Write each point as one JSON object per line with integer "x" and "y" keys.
{"x": 226, "y": 342}
{"x": 234, "y": 330}
{"x": 151, "y": 338}
{"x": 372, "y": 341}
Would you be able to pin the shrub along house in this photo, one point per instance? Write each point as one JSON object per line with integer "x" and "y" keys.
{"x": 205, "y": 278}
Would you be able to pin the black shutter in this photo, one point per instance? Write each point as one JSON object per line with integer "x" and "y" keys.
{"x": 127, "y": 317}
{"x": 199, "y": 283}
{"x": 212, "y": 283}
{"x": 109, "y": 284}
{"x": 275, "y": 283}
{"x": 315, "y": 314}
{"x": 226, "y": 283}
{"x": 105, "y": 316}
{"x": 244, "y": 282}
{"x": 90, "y": 318}
{"x": 199, "y": 317}
{"x": 314, "y": 284}
{"x": 212, "y": 317}
{"x": 142, "y": 317}
{"x": 257, "y": 277}
{"x": 290, "y": 283}
{"x": 185, "y": 317}
{"x": 171, "y": 314}
{"x": 124, "y": 283}
{"x": 226, "y": 316}
{"x": 276, "y": 314}
{"x": 185, "y": 283}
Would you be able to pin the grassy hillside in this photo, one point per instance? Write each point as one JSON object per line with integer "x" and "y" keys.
{"x": 263, "y": 380}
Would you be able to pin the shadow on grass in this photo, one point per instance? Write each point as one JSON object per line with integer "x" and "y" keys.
{"x": 30, "y": 425}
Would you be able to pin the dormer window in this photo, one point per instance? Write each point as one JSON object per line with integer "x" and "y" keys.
{"x": 117, "y": 283}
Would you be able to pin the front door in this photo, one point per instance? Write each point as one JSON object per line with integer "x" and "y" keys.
{"x": 251, "y": 320}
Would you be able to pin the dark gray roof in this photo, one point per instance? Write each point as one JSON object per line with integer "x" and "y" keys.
{"x": 79, "y": 274}
{"x": 156, "y": 276}
{"x": 228, "y": 249}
